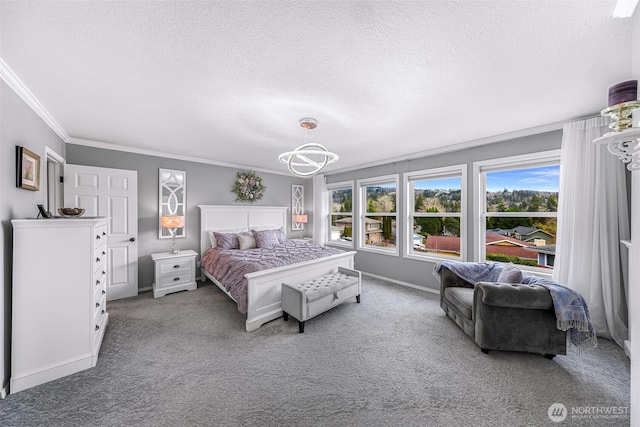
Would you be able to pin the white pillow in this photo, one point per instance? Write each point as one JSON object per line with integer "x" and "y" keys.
{"x": 510, "y": 274}
{"x": 247, "y": 241}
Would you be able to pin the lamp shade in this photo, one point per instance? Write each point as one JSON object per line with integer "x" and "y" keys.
{"x": 300, "y": 219}
{"x": 172, "y": 221}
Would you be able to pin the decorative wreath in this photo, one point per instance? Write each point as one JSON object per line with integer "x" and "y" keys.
{"x": 248, "y": 187}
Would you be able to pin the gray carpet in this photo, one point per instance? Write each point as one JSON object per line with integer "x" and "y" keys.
{"x": 393, "y": 360}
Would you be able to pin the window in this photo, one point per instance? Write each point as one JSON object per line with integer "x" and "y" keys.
{"x": 518, "y": 200}
{"x": 378, "y": 219}
{"x": 341, "y": 213}
{"x": 435, "y": 212}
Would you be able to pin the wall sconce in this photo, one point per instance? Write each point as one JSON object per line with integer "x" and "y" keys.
{"x": 300, "y": 220}
{"x": 172, "y": 223}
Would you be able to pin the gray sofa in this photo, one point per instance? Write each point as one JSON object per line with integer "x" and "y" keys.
{"x": 503, "y": 316}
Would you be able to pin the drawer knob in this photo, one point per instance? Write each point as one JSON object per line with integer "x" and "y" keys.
{"x": 175, "y": 279}
{"x": 97, "y": 304}
{"x": 97, "y": 282}
{"x": 97, "y": 237}
{"x": 176, "y": 266}
{"x": 97, "y": 327}
{"x": 97, "y": 259}
{"x": 104, "y": 233}
{"x": 102, "y": 312}
{"x": 104, "y": 253}
{"x": 103, "y": 292}
{"x": 104, "y": 272}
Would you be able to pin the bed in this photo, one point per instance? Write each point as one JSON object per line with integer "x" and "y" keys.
{"x": 263, "y": 287}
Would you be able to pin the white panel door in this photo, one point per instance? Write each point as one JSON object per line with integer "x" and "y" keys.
{"x": 112, "y": 193}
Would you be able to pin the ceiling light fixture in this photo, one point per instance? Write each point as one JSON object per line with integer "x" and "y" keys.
{"x": 624, "y": 8}
{"x": 311, "y": 157}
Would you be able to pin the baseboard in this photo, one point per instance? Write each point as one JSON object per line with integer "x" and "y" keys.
{"x": 4, "y": 392}
{"x": 410, "y": 285}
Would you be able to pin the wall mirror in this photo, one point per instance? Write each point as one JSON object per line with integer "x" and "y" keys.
{"x": 173, "y": 202}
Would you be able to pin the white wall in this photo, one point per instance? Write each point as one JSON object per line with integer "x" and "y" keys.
{"x": 19, "y": 125}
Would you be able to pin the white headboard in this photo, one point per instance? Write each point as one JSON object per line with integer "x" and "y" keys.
{"x": 220, "y": 217}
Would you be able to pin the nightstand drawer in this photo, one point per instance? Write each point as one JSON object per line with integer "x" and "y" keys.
{"x": 175, "y": 279}
{"x": 175, "y": 266}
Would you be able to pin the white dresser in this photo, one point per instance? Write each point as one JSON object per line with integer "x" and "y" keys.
{"x": 59, "y": 298}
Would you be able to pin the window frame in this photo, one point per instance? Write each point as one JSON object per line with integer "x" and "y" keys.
{"x": 344, "y": 185}
{"x": 453, "y": 171}
{"x": 361, "y": 185}
{"x": 480, "y": 169}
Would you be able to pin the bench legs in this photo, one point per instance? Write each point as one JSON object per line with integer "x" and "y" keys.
{"x": 285, "y": 316}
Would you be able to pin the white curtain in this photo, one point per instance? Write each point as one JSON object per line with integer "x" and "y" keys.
{"x": 320, "y": 209}
{"x": 593, "y": 217}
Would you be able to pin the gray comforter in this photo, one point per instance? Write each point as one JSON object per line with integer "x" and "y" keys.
{"x": 229, "y": 266}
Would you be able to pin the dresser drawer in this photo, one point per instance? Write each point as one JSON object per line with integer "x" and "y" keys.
{"x": 98, "y": 318}
{"x": 100, "y": 258}
{"x": 99, "y": 293}
{"x": 99, "y": 235}
{"x": 175, "y": 266}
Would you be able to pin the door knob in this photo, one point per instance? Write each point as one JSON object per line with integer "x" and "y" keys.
{"x": 133, "y": 239}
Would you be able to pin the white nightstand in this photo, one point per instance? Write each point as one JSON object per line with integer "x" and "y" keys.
{"x": 174, "y": 272}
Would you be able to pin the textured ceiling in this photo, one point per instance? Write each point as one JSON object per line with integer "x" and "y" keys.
{"x": 228, "y": 81}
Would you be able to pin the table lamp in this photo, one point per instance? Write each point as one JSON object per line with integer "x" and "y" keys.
{"x": 301, "y": 219}
{"x": 172, "y": 223}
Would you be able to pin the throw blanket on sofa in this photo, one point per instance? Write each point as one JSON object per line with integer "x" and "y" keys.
{"x": 571, "y": 310}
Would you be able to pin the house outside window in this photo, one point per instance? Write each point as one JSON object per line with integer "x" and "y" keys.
{"x": 518, "y": 201}
{"x": 436, "y": 211}
{"x": 377, "y": 223}
{"x": 341, "y": 213}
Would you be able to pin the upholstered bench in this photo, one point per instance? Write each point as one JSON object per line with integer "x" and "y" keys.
{"x": 308, "y": 299}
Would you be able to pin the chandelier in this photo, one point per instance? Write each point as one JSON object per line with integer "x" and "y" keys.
{"x": 311, "y": 157}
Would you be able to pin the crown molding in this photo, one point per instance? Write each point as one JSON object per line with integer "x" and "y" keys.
{"x": 23, "y": 92}
{"x": 551, "y": 127}
{"x": 115, "y": 147}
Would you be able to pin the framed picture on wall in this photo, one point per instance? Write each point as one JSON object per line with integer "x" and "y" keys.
{"x": 27, "y": 169}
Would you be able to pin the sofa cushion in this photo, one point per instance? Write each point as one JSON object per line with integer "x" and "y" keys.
{"x": 517, "y": 295}
{"x": 510, "y": 274}
{"x": 461, "y": 298}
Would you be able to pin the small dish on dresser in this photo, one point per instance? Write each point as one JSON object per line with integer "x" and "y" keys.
{"x": 71, "y": 212}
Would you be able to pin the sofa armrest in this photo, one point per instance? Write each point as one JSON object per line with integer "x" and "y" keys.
{"x": 450, "y": 279}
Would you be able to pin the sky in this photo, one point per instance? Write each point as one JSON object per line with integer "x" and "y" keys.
{"x": 545, "y": 178}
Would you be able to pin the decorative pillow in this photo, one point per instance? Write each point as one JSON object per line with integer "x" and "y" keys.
{"x": 265, "y": 238}
{"x": 212, "y": 237}
{"x": 247, "y": 241}
{"x": 226, "y": 240}
{"x": 281, "y": 235}
{"x": 510, "y": 274}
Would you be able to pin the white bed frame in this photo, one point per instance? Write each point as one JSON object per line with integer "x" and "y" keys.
{"x": 264, "y": 291}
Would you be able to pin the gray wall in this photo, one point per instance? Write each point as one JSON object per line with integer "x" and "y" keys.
{"x": 19, "y": 125}
{"x": 419, "y": 273}
{"x": 206, "y": 185}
